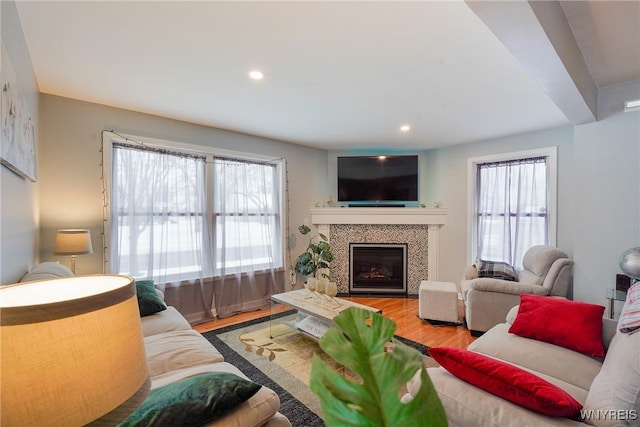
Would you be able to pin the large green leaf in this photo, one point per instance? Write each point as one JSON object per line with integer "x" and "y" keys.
{"x": 303, "y": 229}
{"x": 327, "y": 255}
{"x": 305, "y": 264}
{"x": 360, "y": 341}
{"x": 323, "y": 246}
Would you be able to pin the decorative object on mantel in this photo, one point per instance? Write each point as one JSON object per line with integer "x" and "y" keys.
{"x": 73, "y": 242}
{"x": 630, "y": 263}
{"x": 317, "y": 256}
{"x": 18, "y": 145}
{"x": 72, "y": 351}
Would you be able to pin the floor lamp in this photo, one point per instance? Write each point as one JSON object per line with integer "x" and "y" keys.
{"x": 72, "y": 352}
{"x": 73, "y": 242}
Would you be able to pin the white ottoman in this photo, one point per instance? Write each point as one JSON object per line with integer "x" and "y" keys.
{"x": 438, "y": 301}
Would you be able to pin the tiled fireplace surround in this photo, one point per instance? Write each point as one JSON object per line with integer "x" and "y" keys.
{"x": 418, "y": 227}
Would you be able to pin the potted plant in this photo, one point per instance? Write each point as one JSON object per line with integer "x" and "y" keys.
{"x": 316, "y": 257}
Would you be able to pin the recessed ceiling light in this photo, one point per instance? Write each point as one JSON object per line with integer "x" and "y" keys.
{"x": 256, "y": 74}
{"x": 405, "y": 128}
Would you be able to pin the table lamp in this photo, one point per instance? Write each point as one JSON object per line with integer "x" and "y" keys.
{"x": 72, "y": 352}
{"x": 630, "y": 263}
{"x": 73, "y": 242}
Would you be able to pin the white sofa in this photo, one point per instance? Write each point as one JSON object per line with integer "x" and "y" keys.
{"x": 609, "y": 387}
{"x": 175, "y": 351}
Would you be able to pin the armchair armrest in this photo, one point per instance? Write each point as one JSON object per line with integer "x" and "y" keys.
{"x": 487, "y": 284}
{"x": 470, "y": 273}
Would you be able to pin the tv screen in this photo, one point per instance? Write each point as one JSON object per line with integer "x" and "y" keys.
{"x": 378, "y": 179}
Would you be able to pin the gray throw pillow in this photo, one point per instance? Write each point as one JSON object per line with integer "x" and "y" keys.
{"x": 495, "y": 270}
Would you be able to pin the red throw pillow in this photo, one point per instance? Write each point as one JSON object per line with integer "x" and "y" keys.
{"x": 507, "y": 381}
{"x": 570, "y": 324}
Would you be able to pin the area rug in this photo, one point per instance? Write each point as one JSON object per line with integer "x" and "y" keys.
{"x": 282, "y": 363}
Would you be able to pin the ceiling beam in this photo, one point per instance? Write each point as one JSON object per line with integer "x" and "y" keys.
{"x": 538, "y": 35}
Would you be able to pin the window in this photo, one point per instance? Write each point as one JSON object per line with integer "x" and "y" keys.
{"x": 181, "y": 215}
{"x": 513, "y": 204}
{"x": 246, "y": 216}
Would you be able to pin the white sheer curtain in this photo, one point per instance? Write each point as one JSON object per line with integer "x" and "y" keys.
{"x": 247, "y": 251}
{"x": 512, "y": 208}
{"x": 159, "y": 229}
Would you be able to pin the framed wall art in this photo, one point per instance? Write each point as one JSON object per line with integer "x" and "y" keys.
{"x": 18, "y": 145}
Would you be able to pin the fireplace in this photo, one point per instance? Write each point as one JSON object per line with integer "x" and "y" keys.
{"x": 418, "y": 227}
{"x": 378, "y": 268}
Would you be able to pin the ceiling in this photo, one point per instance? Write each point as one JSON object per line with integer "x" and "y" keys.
{"x": 340, "y": 74}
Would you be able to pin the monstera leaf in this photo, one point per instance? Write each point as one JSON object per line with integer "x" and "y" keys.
{"x": 306, "y": 264}
{"x": 362, "y": 341}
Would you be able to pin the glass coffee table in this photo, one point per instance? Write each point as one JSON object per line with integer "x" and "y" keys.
{"x": 315, "y": 312}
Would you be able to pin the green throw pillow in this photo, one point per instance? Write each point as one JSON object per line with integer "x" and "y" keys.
{"x": 149, "y": 302}
{"x": 192, "y": 401}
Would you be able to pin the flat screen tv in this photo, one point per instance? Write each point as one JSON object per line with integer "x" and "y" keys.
{"x": 378, "y": 179}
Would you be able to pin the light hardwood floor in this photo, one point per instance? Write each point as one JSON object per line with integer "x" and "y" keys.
{"x": 404, "y": 311}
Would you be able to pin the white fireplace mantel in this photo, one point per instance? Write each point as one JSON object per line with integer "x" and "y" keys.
{"x": 427, "y": 216}
{"x": 433, "y": 218}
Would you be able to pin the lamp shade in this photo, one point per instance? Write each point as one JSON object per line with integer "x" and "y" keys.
{"x": 73, "y": 242}
{"x": 72, "y": 352}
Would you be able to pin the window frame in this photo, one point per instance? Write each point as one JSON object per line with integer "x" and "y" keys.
{"x": 110, "y": 137}
{"x": 551, "y": 153}
{"x": 278, "y": 181}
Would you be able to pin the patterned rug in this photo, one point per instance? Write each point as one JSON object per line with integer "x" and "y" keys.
{"x": 282, "y": 363}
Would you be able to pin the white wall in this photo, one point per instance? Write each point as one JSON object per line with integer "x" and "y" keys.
{"x": 607, "y": 201}
{"x": 18, "y": 197}
{"x": 71, "y": 188}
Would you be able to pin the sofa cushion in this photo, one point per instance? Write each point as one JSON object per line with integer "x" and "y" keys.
{"x": 192, "y": 401}
{"x": 254, "y": 412}
{"x": 164, "y": 321}
{"x": 149, "y": 302}
{"x": 511, "y": 315}
{"x": 549, "y": 359}
{"x": 169, "y": 351}
{"x": 495, "y": 270}
{"x": 47, "y": 270}
{"x": 571, "y": 324}
{"x": 507, "y": 381}
{"x": 616, "y": 389}
{"x": 471, "y": 406}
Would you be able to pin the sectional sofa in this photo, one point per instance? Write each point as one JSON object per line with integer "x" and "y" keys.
{"x": 608, "y": 389}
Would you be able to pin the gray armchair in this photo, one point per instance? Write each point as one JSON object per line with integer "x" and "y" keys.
{"x": 546, "y": 271}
